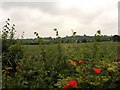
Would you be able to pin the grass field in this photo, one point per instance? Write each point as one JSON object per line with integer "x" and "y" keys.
{"x": 108, "y": 50}
{"x": 51, "y": 66}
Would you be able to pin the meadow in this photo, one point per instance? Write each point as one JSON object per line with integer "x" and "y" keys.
{"x": 93, "y": 64}
{"x": 52, "y": 66}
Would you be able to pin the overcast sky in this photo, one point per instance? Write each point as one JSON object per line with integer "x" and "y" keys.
{"x": 82, "y": 16}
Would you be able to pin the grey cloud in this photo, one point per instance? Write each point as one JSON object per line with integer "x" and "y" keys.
{"x": 48, "y": 7}
{"x": 30, "y": 20}
{"x": 44, "y": 16}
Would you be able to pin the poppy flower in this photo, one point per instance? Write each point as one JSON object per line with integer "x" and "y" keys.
{"x": 81, "y": 62}
{"x": 97, "y": 70}
{"x": 72, "y": 83}
{"x": 66, "y": 86}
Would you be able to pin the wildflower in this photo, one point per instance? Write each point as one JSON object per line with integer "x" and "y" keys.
{"x": 66, "y": 86}
{"x": 97, "y": 70}
{"x": 73, "y": 62}
{"x": 81, "y": 62}
{"x": 72, "y": 83}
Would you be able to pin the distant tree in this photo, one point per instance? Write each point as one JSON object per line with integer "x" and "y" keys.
{"x": 116, "y": 38}
{"x": 84, "y": 41}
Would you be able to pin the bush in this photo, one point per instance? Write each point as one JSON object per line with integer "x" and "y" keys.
{"x": 59, "y": 65}
{"x": 11, "y": 53}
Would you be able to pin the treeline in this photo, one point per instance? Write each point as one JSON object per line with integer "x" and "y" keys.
{"x": 69, "y": 39}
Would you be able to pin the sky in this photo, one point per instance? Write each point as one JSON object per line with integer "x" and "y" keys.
{"x": 42, "y": 16}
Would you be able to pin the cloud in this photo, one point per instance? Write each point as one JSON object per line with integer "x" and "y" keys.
{"x": 43, "y": 17}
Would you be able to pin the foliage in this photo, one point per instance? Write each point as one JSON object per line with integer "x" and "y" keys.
{"x": 95, "y": 72}
{"x": 41, "y": 68}
{"x": 11, "y": 53}
{"x": 72, "y": 65}
{"x": 84, "y": 41}
{"x": 116, "y": 38}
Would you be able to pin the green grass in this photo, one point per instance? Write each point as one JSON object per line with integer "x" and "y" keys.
{"x": 48, "y": 65}
{"x": 108, "y": 50}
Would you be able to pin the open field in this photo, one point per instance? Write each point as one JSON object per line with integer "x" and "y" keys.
{"x": 107, "y": 50}
{"x": 52, "y": 66}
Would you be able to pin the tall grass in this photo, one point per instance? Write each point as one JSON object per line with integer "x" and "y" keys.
{"x": 52, "y": 66}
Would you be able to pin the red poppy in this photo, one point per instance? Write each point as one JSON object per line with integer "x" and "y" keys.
{"x": 81, "y": 62}
{"x": 72, "y": 83}
{"x": 97, "y": 70}
{"x": 66, "y": 86}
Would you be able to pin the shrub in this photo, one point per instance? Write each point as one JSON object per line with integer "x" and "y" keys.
{"x": 11, "y": 53}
